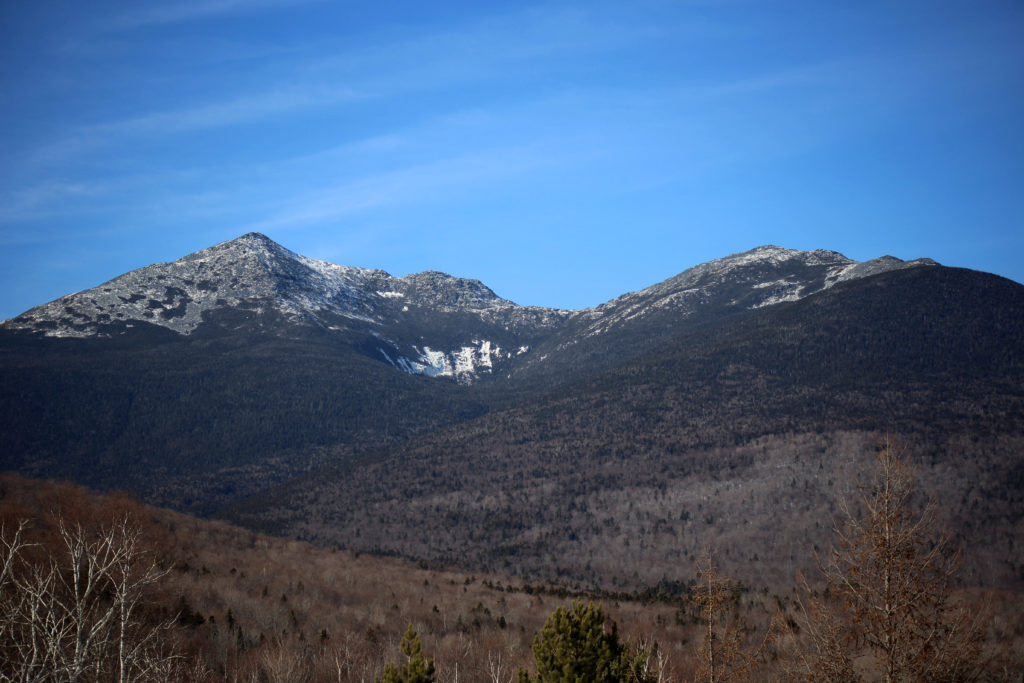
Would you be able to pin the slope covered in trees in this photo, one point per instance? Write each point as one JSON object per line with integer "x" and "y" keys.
{"x": 195, "y": 422}
{"x": 640, "y": 439}
{"x": 745, "y": 430}
{"x": 255, "y": 396}
{"x": 228, "y": 604}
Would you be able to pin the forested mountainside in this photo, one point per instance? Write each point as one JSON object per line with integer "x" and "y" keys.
{"x": 237, "y": 413}
{"x": 230, "y": 604}
{"x": 740, "y": 435}
{"x": 206, "y": 601}
{"x": 428, "y": 417}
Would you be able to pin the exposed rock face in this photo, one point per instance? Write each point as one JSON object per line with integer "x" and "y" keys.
{"x": 753, "y": 279}
{"x": 426, "y": 323}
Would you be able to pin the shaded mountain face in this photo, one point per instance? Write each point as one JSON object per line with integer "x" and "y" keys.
{"x": 705, "y": 295}
{"x": 426, "y": 416}
{"x": 742, "y": 435}
{"x": 427, "y": 323}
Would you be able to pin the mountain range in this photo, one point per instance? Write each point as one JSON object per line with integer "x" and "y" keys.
{"x": 427, "y": 323}
{"x": 426, "y": 416}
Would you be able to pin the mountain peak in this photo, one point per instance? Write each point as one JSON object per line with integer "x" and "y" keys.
{"x": 251, "y": 242}
{"x": 450, "y": 292}
{"x": 254, "y": 282}
{"x": 775, "y": 255}
{"x": 254, "y": 237}
{"x": 763, "y": 276}
{"x": 251, "y": 272}
{"x": 255, "y": 276}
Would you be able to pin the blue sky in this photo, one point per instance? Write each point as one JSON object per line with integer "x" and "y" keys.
{"x": 561, "y": 152}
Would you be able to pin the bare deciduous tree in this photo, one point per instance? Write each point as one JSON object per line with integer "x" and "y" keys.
{"x": 824, "y": 655}
{"x": 497, "y": 671}
{"x": 74, "y": 615}
{"x": 721, "y": 656}
{"x": 891, "y": 617}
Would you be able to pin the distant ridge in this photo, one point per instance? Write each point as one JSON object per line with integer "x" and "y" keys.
{"x": 254, "y": 275}
{"x": 428, "y": 417}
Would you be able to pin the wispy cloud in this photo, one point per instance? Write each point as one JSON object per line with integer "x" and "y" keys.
{"x": 394, "y": 70}
{"x": 243, "y": 109}
{"x": 44, "y": 200}
{"x": 171, "y": 13}
{"x": 437, "y": 180}
{"x": 218, "y": 114}
{"x": 490, "y": 50}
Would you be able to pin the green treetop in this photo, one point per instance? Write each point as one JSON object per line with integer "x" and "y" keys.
{"x": 416, "y": 669}
{"x": 574, "y": 647}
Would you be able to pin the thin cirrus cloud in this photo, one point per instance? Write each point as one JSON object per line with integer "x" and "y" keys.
{"x": 488, "y": 51}
{"x": 246, "y": 108}
{"x": 158, "y": 14}
{"x": 48, "y": 199}
{"x": 579, "y": 128}
{"x": 392, "y": 71}
{"x": 217, "y": 114}
{"x": 398, "y": 67}
{"x": 442, "y": 178}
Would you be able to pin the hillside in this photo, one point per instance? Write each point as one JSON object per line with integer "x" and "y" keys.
{"x": 192, "y": 421}
{"x": 739, "y": 435}
{"x": 243, "y": 604}
{"x": 425, "y": 416}
{"x": 231, "y": 604}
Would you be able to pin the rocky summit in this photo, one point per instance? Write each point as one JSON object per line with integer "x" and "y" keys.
{"x": 428, "y": 323}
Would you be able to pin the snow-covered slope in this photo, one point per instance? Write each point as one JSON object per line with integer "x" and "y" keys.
{"x": 711, "y": 293}
{"x": 249, "y": 270}
{"x": 760, "y": 277}
{"x": 427, "y": 323}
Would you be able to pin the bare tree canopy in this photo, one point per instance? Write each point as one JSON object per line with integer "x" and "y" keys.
{"x": 891, "y": 616}
{"x": 73, "y": 615}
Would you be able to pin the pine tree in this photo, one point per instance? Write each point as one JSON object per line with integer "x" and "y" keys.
{"x": 416, "y": 669}
{"x": 574, "y": 647}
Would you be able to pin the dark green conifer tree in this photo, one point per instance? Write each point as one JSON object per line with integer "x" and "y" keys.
{"x": 416, "y": 669}
{"x": 574, "y": 647}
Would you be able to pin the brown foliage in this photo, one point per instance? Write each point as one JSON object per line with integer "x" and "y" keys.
{"x": 891, "y": 614}
{"x": 249, "y": 607}
{"x": 622, "y": 511}
{"x": 722, "y": 656}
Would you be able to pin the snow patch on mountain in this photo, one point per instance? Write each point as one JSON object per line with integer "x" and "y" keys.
{"x": 758, "y": 278}
{"x": 464, "y": 364}
{"x": 779, "y": 291}
{"x": 253, "y": 281}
